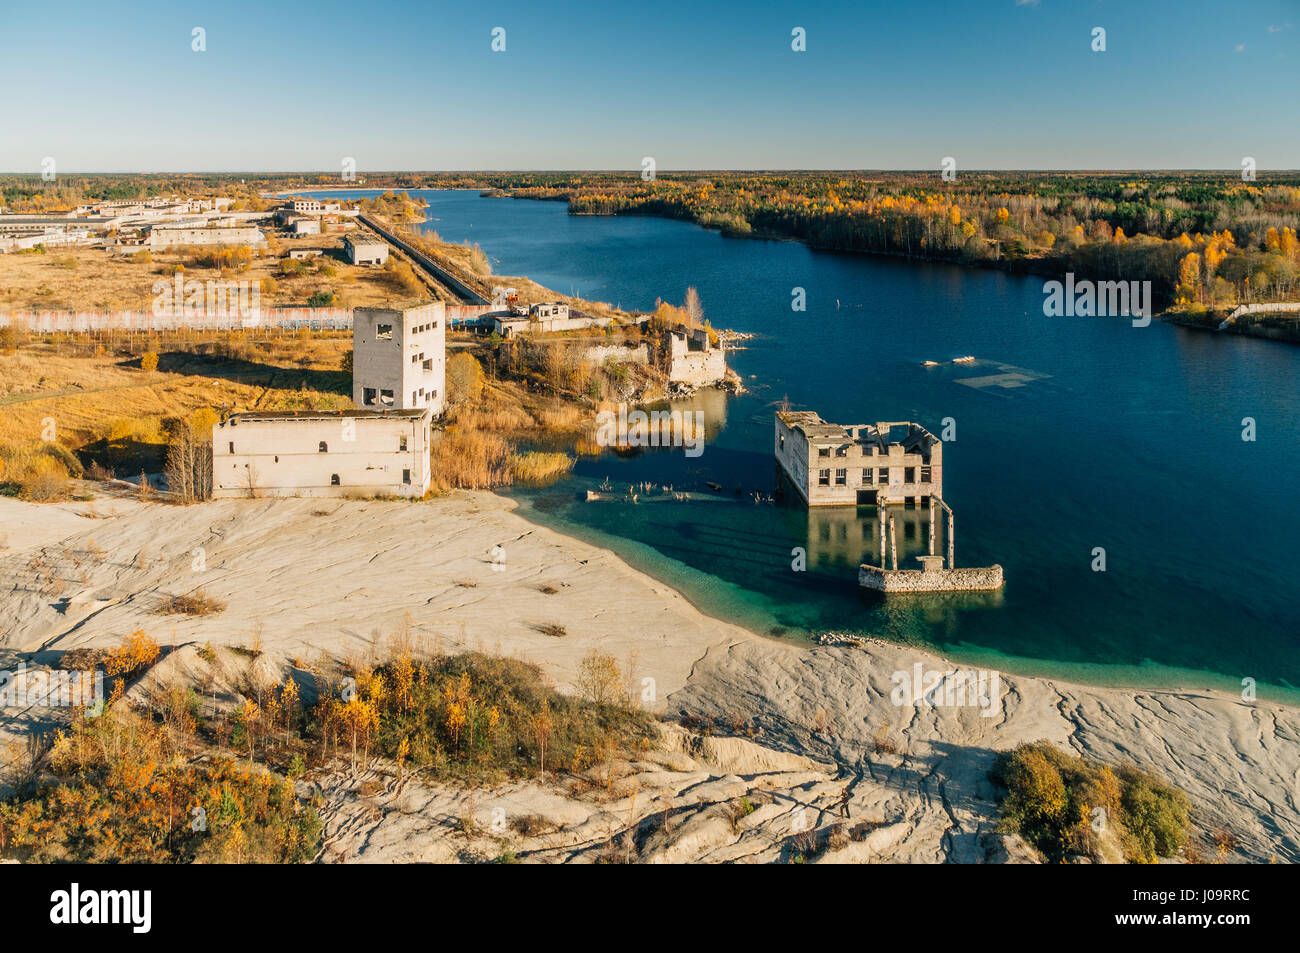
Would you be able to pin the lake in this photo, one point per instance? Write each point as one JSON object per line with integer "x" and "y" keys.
{"x": 1127, "y": 439}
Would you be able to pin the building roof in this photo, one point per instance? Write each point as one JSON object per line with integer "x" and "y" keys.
{"x": 819, "y": 431}
{"x": 358, "y": 240}
{"x": 411, "y": 414}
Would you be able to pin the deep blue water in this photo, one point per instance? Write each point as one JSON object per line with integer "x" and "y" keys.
{"x": 1124, "y": 438}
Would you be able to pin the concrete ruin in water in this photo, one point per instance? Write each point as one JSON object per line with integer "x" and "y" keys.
{"x": 889, "y": 463}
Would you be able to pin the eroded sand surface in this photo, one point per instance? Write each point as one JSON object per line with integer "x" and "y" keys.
{"x": 306, "y": 577}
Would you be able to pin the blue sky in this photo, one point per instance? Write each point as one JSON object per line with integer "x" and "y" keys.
{"x": 993, "y": 83}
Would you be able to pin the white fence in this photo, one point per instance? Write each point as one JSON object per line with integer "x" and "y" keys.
{"x": 48, "y": 322}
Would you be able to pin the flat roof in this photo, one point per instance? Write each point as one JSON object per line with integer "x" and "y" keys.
{"x": 404, "y": 414}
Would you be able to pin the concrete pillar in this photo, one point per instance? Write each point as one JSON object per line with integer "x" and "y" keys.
{"x": 893, "y": 544}
{"x": 883, "y": 514}
{"x": 932, "y": 515}
{"x": 951, "y": 541}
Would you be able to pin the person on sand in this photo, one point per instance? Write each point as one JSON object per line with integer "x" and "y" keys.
{"x": 844, "y": 803}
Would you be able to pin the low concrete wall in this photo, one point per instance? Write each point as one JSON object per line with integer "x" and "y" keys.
{"x": 601, "y": 353}
{"x": 936, "y": 580}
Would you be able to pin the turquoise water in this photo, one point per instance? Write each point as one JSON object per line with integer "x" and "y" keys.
{"x": 1118, "y": 437}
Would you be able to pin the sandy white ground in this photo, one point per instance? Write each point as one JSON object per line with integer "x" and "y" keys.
{"x": 302, "y": 578}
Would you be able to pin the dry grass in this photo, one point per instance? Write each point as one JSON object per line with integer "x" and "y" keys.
{"x": 539, "y": 467}
{"x": 94, "y": 402}
{"x": 100, "y": 281}
{"x": 195, "y": 603}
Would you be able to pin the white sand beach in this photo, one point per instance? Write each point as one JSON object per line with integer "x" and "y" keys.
{"x": 305, "y": 578}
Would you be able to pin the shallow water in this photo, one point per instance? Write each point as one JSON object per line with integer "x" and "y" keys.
{"x": 1113, "y": 436}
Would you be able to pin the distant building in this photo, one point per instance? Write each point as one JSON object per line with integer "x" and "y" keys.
{"x": 305, "y": 226}
{"x": 364, "y": 250}
{"x": 399, "y": 357}
{"x": 305, "y": 206}
{"x": 540, "y": 318}
{"x": 321, "y": 453}
{"x": 299, "y": 254}
{"x": 863, "y": 464}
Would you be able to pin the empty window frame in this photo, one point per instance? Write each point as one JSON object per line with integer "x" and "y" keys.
{"x": 909, "y": 474}
{"x": 823, "y": 477}
{"x": 841, "y": 477}
{"x": 823, "y": 451}
{"x": 406, "y": 476}
{"x": 383, "y": 332}
{"x": 925, "y": 474}
{"x": 882, "y": 475}
{"x": 401, "y": 442}
{"x": 334, "y": 479}
{"x": 368, "y": 395}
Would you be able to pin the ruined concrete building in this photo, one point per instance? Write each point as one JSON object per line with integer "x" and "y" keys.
{"x": 692, "y": 358}
{"x": 861, "y": 464}
{"x": 359, "y": 453}
{"x": 399, "y": 357}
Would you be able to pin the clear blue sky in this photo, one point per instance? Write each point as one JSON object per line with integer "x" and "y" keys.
{"x": 108, "y": 86}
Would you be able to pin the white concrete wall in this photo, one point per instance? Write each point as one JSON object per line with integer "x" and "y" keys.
{"x": 411, "y": 362}
{"x": 282, "y": 457}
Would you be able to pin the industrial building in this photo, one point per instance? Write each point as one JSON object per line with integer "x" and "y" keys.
{"x": 399, "y": 357}
{"x": 860, "y": 464}
{"x": 365, "y": 250}
{"x": 356, "y": 453}
{"x": 160, "y": 237}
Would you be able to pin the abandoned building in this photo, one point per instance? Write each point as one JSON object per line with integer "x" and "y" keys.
{"x": 861, "y": 464}
{"x": 321, "y": 453}
{"x": 365, "y": 250}
{"x": 545, "y": 317}
{"x": 399, "y": 357}
{"x": 692, "y": 358}
{"x": 160, "y": 237}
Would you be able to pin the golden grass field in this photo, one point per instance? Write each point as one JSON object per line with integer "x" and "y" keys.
{"x": 93, "y": 279}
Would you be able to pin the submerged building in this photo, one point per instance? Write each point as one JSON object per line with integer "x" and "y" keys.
{"x": 858, "y": 464}
{"x": 399, "y": 357}
{"x": 321, "y": 453}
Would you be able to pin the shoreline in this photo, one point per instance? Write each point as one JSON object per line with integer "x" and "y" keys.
{"x": 1146, "y": 676}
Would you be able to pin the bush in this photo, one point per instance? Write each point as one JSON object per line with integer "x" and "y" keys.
{"x": 149, "y": 362}
{"x": 1067, "y": 806}
{"x": 321, "y": 299}
{"x": 45, "y": 481}
{"x": 465, "y": 378}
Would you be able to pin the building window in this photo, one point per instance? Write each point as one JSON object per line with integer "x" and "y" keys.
{"x": 909, "y": 474}
{"x": 368, "y": 396}
{"x": 882, "y": 475}
{"x": 428, "y": 365}
{"x": 324, "y": 448}
{"x": 925, "y": 474}
{"x": 383, "y": 332}
{"x": 334, "y": 479}
{"x": 781, "y": 442}
{"x": 823, "y": 477}
{"x": 841, "y": 477}
{"x": 823, "y": 451}
{"x": 841, "y": 451}
{"x": 866, "y": 476}
{"x": 406, "y": 476}
{"x": 413, "y": 397}
{"x": 386, "y": 398}
{"x": 401, "y": 442}
{"x": 232, "y": 446}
